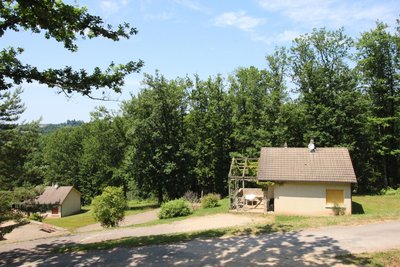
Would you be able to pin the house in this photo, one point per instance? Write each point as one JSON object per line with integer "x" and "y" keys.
{"x": 307, "y": 181}
{"x": 64, "y": 200}
{"x": 301, "y": 181}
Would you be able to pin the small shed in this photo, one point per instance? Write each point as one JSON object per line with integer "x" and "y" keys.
{"x": 301, "y": 181}
{"x": 308, "y": 182}
{"x": 64, "y": 200}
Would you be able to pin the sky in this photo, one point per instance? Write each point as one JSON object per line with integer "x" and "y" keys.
{"x": 184, "y": 37}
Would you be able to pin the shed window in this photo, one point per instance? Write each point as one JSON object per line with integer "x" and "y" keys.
{"x": 334, "y": 196}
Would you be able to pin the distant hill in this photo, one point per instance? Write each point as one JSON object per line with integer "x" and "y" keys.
{"x": 51, "y": 127}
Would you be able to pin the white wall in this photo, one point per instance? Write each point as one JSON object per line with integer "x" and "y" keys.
{"x": 301, "y": 198}
{"x": 71, "y": 204}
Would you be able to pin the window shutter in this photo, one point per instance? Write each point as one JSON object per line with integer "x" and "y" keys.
{"x": 334, "y": 196}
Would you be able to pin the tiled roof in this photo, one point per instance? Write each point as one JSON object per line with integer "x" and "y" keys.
{"x": 331, "y": 164}
{"x": 52, "y": 195}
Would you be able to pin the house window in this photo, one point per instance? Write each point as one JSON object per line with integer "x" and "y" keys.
{"x": 334, "y": 196}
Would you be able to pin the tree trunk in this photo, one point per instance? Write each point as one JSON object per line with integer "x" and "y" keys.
{"x": 160, "y": 194}
{"x": 385, "y": 174}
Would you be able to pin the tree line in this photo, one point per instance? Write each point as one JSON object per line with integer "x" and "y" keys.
{"x": 180, "y": 134}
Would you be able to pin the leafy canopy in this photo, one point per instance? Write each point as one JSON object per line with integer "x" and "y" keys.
{"x": 63, "y": 23}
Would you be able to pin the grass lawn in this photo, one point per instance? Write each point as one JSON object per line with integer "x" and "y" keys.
{"x": 86, "y": 218}
{"x": 390, "y": 258}
{"x": 222, "y": 208}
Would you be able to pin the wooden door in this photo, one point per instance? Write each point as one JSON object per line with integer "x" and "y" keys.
{"x": 54, "y": 210}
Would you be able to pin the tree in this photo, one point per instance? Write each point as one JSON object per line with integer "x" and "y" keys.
{"x": 261, "y": 106}
{"x": 335, "y": 109}
{"x": 62, "y": 156}
{"x": 248, "y": 96}
{"x": 6, "y": 212}
{"x": 157, "y": 157}
{"x": 101, "y": 160}
{"x": 378, "y": 61}
{"x": 320, "y": 71}
{"x": 17, "y": 142}
{"x": 63, "y": 23}
{"x": 10, "y": 110}
{"x": 278, "y": 107}
{"x": 109, "y": 207}
{"x": 209, "y": 128}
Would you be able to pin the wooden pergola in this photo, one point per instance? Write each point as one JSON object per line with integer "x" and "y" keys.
{"x": 241, "y": 170}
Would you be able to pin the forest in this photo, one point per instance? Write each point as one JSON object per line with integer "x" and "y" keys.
{"x": 179, "y": 134}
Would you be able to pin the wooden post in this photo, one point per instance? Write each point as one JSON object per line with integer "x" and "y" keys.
{"x": 266, "y": 200}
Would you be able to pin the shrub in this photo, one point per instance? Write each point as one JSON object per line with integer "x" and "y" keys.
{"x": 175, "y": 208}
{"x": 390, "y": 191}
{"x": 109, "y": 207}
{"x": 210, "y": 200}
{"x": 36, "y": 217}
{"x": 338, "y": 210}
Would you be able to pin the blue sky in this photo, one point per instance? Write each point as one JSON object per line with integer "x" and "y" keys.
{"x": 180, "y": 37}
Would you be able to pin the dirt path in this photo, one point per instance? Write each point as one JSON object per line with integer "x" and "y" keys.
{"x": 312, "y": 247}
{"x": 33, "y": 230}
{"x": 143, "y": 217}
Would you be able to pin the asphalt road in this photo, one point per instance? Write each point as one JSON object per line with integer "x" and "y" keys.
{"x": 312, "y": 247}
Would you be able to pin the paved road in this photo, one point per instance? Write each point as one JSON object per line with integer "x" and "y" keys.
{"x": 312, "y": 247}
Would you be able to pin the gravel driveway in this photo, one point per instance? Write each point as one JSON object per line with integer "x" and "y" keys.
{"x": 142, "y": 217}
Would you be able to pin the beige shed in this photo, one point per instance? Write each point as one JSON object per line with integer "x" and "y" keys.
{"x": 65, "y": 200}
{"x": 307, "y": 181}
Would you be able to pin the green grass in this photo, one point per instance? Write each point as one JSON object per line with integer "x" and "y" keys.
{"x": 377, "y": 205}
{"x": 86, "y": 217}
{"x": 387, "y": 258}
{"x": 223, "y": 207}
{"x": 74, "y": 221}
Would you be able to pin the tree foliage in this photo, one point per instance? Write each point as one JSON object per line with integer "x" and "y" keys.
{"x": 379, "y": 64}
{"x": 157, "y": 157}
{"x": 63, "y": 23}
{"x": 109, "y": 207}
{"x": 17, "y": 143}
{"x": 209, "y": 128}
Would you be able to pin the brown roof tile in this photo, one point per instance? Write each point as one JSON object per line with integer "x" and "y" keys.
{"x": 331, "y": 164}
{"x": 52, "y": 195}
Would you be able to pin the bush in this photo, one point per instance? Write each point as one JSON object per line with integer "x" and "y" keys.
{"x": 175, "y": 208}
{"x": 210, "y": 200}
{"x": 109, "y": 207}
{"x": 338, "y": 210}
{"x": 390, "y": 191}
{"x": 36, "y": 217}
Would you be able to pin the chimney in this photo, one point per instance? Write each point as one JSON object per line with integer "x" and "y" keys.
{"x": 311, "y": 145}
{"x": 285, "y": 145}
